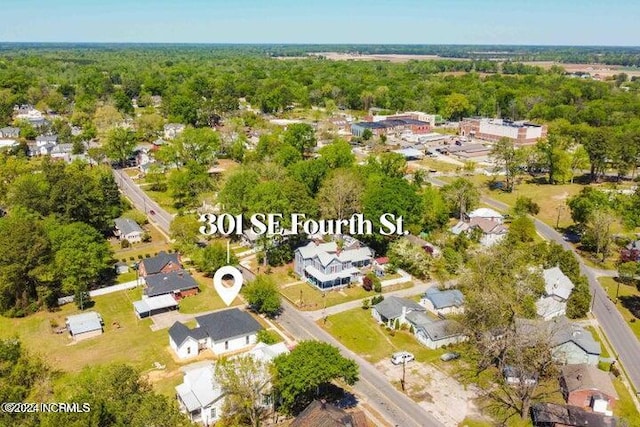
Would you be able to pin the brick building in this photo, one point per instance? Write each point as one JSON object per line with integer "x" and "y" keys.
{"x": 521, "y": 132}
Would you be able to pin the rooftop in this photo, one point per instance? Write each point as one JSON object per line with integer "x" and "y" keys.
{"x": 391, "y": 307}
{"x": 165, "y": 283}
{"x": 157, "y": 263}
{"x": 85, "y": 322}
{"x": 587, "y": 377}
{"x": 557, "y": 283}
{"x": 127, "y": 226}
{"x": 443, "y": 299}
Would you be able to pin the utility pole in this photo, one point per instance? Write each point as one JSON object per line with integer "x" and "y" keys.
{"x": 560, "y": 208}
{"x": 404, "y": 370}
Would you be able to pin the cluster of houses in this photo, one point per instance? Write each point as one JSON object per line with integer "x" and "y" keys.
{"x": 488, "y": 222}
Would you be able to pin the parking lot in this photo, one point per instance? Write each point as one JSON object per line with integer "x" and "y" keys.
{"x": 436, "y": 391}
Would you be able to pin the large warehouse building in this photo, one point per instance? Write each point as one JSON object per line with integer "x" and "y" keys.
{"x": 522, "y": 133}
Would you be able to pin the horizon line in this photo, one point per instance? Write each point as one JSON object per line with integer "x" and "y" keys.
{"x": 310, "y": 44}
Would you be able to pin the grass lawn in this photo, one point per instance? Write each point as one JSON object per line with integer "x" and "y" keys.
{"x": 158, "y": 243}
{"x": 162, "y": 198}
{"x": 625, "y": 408}
{"x": 439, "y": 165}
{"x": 357, "y": 330}
{"x": 207, "y": 299}
{"x": 312, "y": 298}
{"x": 628, "y": 304}
{"x": 126, "y": 277}
{"x": 132, "y": 342}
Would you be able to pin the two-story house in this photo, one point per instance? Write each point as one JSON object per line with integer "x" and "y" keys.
{"x": 326, "y": 266}
{"x": 557, "y": 289}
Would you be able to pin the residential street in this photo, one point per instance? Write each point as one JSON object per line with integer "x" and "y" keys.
{"x": 622, "y": 339}
{"x": 380, "y": 394}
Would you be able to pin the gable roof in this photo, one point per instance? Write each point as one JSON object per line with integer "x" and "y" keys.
{"x": 391, "y": 307}
{"x": 484, "y": 213}
{"x": 165, "y": 283}
{"x": 84, "y": 322}
{"x": 266, "y": 353}
{"x": 178, "y": 332}
{"x": 441, "y": 329}
{"x": 487, "y": 226}
{"x": 127, "y": 226}
{"x": 199, "y": 388}
{"x": 587, "y": 377}
{"x": 417, "y": 241}
{"x": 550, "y": 413}
{"x": 157, "y": 263}
{"x": 557, "y": 283}
{"x": 560, "y": 331}
{"x": 312, "y": 249}
{"x": 227, "y": 324}
{"x": 444, "y": 299}
{"x": 321, "y": 414}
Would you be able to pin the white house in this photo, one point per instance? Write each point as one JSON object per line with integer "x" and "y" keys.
{"x": 171, "y": 130}
{"x": 492, "y": 231}
{"x": 557, "y": 289}
{"x": 128, "y": 229}
{"x": 486, "y": 213}
{"x": 221, "y": 332}
{"x": 449, "y": 301}
{"x": 326, "y": 266}
{"x": 394, "y": 308}
{"x": 434, "y": 333}
{"x": 199, "y": 396}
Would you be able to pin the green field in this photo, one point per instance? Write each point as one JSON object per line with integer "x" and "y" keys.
{"x": 308, "y": 298}
{"x": 359, "y": 332}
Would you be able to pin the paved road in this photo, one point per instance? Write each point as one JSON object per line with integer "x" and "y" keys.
{"x": 624, "y": 342}
{"x": 379, "y": 393}
{"x": 141, "y": 201}
{"x": 418, "y": 289}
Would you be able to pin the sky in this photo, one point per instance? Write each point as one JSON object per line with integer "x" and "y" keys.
{"x": 529, "y": 22}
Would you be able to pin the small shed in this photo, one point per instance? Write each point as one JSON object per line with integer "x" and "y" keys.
{"x": 154, "y": 305}
{"x": 85, "y": 325}
{"x": 121, "y": 267}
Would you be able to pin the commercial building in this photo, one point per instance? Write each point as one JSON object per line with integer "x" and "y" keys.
{"x": 520, "y": 132}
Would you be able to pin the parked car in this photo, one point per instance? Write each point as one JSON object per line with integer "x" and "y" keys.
{"x": 401, "y": 357}
{"x": 449, "y": 356}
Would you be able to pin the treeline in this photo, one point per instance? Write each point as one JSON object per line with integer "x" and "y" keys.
{"x": 197, "y": 86}
{"x": 613, "y": 55}
{"x": 52, "y": 238}
{"x": 106, "y": 395}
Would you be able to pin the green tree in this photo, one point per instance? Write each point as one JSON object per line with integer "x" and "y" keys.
{"x": 456, "y": 106}
{"x": 522, "y": 230}
{"x": 508, "y": 158}
{"x": 627, "y": 271}
{"x": 403, "y": 254}
{"x": 263, "y": 295}
{"x": 213, "y": 257}
{"x": 579, "y": 300}
{"x": 185, "y": 232}
{"x": 120, "y": 144}
{"x": 599, "y": 229}
{"x": 435, "y": 212}
{"x": 461, "y": 195}
{"x": 245, "y": 382}
{"x": 236, "y": 191}
{"x": 301, "y": 375}
{"x": 338, "y": 154}
{"x": 301, "y": 136}
{"x": 525, "y": 206}
{"x": 340, "y": 195}
{"x": 583, "y": 204}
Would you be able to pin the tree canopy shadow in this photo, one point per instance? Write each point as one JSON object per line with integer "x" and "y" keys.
{"x": 631, "y": 303}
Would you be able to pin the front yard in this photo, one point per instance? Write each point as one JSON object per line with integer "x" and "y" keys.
{"x": 308, "y": 298}
{"x": 359, "y": 332}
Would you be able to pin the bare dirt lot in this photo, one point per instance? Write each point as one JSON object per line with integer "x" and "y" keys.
{"x": 602, "y": 69}
{"x": 438, "y": 393}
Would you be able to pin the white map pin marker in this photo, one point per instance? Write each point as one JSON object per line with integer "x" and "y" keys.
{"x": 228, "y": 294}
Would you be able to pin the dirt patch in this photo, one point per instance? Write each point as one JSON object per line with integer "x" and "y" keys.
{"x": 562, "y": 196}
{"x": 437, "y": 392}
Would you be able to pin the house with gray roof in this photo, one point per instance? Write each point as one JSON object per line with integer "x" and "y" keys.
{"x": 178, "y": 284}
{"x": 394, "y": 308}
{"x": 570, "y": 343}
{"x": 128, "y": 229}
{"x": 443, "y": 302}
{"x": 222, "y": 332}
{"x": 557, "y": 289}
{"x": 434, "y": 333}
{"x": 199, "y": 395}
{"x": 554, "y": 415}
{"x": 84, "y": 325}
{"x": 162, "y": 263}
{"x": 326, "y": 266}
{"x": 9, "y": 132}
